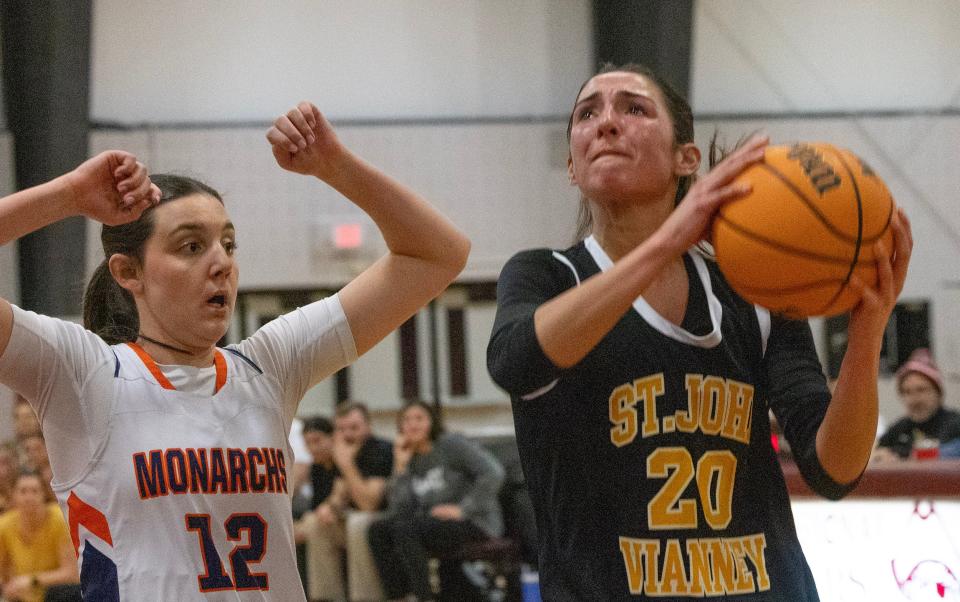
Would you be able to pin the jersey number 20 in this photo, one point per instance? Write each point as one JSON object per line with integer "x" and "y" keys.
{"x": 216, "y": 578}
{"x": 715, "y": 473}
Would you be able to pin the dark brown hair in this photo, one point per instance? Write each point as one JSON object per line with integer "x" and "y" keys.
{"x": 681, "y": 115}
{"x": 349, "y": 405}
{"x": 436, "y": 424}
{"x": 317, "y": 424}
{"x": 109, "y": 309}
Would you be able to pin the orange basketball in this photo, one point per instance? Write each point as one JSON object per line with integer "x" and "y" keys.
{"x": 809, "y": 224}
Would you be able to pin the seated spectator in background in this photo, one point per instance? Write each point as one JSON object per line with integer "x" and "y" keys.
{"x": 35, "y": 454}
{"x": 321, "y": 472}
{"x": 928, "y": 422}
{"x": 318, "y": 437}
{"x": 299, "y": 472}
{"x": 35, "y": 459}
{"x": 8, "y": 475}
{"x": 25, "y": 423}
{"x": 31, "y": 450}
{"x": 36, "y": 555}
{"x": 363, "y": 463}
{"x": 443, "y": 494}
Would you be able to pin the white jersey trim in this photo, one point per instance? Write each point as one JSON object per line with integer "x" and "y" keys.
{"x": 658, "y": 322}
{"x": 562, "y": 259}
{"x": 540, "y": 391}
{"x": 763, "y": 317}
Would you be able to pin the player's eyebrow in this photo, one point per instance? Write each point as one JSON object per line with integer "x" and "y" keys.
{"x": 195, "y": 227}
{"x": 587, "y": 99}
{"x": 621, "y": 93}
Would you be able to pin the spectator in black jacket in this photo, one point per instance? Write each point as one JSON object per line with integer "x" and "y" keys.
{"x": 927, "y": 423}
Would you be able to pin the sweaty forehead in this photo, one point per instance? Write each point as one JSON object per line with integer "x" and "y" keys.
{"x": 617, "y": 81}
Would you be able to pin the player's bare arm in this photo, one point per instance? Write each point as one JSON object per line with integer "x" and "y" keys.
{"x": 416, "y": 268}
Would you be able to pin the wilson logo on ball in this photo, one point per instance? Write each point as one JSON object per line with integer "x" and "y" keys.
{"x": 821, "y": 175}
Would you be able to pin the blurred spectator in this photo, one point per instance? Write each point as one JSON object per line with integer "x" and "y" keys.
{"x": 25, "y": 423}
{"x": 339, "y": 524}
{"x": 35, "y": 453}
{"x": 444, "y": 494}
{"x": 36, "y": 555}
{"x": 8, "y": 475}
{"x": 300, "y": 470}
{"x": 35, "y": 459}
{"x": 313, "y": 487}
{"x": 318, "y": 437}
{"x": 927, "y": 423}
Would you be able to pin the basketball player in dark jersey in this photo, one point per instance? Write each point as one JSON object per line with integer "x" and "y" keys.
{"x": 641, "y": 382}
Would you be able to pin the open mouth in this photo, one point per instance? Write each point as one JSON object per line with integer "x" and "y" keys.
{"x": 218, "y": 300}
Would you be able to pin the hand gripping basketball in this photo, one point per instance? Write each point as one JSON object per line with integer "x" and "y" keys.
{"x": 806, "y": 231}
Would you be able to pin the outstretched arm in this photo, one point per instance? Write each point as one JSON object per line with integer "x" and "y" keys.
{"x": 846, "y": 436}
{"x": 425, "y": 251}
{"x": 112, "y": 188}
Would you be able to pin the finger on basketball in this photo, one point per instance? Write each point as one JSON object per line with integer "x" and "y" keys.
{"x": 733, "y": 165}
{"x": 860, "y": 289}
{"x": 884, "y": 269}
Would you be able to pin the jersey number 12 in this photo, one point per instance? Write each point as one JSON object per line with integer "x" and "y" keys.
{"x": 215, "y": 578}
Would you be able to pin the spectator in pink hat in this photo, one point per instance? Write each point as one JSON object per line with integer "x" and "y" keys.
{"x": 920, "y": 386}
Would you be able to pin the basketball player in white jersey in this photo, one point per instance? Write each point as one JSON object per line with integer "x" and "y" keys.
{"x": 169, "y": 454}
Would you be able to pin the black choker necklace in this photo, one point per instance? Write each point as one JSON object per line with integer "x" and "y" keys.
{"x": 164, "y": 345}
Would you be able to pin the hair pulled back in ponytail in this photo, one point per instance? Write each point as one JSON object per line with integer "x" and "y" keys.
{"x": 681, "y": 116}
{"x": 108, "y": 309}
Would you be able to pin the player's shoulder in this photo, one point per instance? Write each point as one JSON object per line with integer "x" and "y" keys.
{"x": 569, "y": 266}
{"x": 240, "y": 362}
{"x": 59, "y": 331}
{"x": 528, "y": 259}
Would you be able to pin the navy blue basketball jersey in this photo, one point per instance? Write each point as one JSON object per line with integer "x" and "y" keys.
{"x": 649, "y": 463}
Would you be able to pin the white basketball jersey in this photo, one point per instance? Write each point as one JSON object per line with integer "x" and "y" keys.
{"x": 187, "y": 498}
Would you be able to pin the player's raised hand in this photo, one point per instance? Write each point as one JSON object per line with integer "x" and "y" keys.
{"x": 690, "y": 222}
{"x": 870, "y": 316}
{"x": 112, "y": 188}
{"x": 303, "y": 141}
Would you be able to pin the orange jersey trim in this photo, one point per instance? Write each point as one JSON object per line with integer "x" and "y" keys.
{"x": 218, "y": 361}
